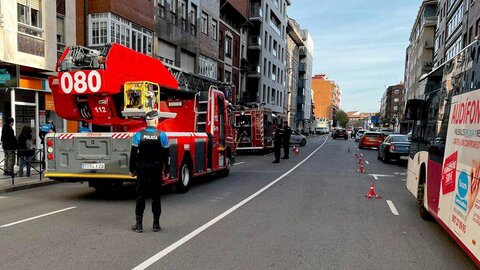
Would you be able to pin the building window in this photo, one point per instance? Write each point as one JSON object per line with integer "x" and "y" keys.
{"x": 214, "y": 29}
{"x": 228, "y": 76}
{"x": 274, "y": 73}
{"x": 228, "y": 47}
{"x": 161, "y": 9}
{"x": 193, "y": 19}
{"x": 204, "y": 23}
{"x": 454, "y": 49}
{"x": 60, "y": 35}
{"x": 455, "y": 21}
{"x": 395, "y": 108}
{"x": 183, "y": 14}
{"x": 207, "y": 67}
{"x": 30, "y": 17}
{"x": 273, "y": 96}
{"x": 396, "y": 100}
{"x": 264, "y": 96}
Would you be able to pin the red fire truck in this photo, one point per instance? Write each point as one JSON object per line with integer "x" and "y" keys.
{"x": 115, "y": 86}
{"x": 254, "y": 128}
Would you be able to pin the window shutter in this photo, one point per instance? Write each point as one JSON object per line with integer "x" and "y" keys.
{"x": 22, "y": 2}
{"x": 35, "y": 4}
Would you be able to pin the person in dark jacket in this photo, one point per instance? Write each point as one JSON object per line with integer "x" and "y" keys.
{"x": 149, "y": 162}
{"x": 287, "y": 132}
{"x": 9, "y": 144}
{"x": 25, "y": 150}
{"x": 277, "y": 143}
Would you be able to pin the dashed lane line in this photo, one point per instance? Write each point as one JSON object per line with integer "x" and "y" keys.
{"x": 36, "y": 217}
{"x": 188, "y": 237}
{"x": 366, "y": 161}
{"x": 238, "y": 163}
{"x": 392, "y": 208}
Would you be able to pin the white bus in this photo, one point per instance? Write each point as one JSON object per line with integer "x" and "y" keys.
{"x": 444, "y": 161}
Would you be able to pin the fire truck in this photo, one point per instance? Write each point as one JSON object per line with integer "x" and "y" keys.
{"x": 115, "y": 86}
{"x": 254, "y": 129}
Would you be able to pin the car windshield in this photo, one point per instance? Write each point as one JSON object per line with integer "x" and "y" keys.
{"x": 399, "y": 138}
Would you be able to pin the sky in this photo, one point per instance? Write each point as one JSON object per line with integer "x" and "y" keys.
{"x": 358, "y": 43}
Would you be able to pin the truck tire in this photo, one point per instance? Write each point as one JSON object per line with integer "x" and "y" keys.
{"x": 183, "y": 183}
{"x": 226, "y": 171}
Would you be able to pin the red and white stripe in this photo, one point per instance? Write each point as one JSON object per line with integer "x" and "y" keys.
{"x": 121, "y": 135}
{"x": 66, "y": 136}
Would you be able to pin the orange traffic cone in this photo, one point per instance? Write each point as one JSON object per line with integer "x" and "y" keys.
{"x": 360, "y": 161}
{"x": 361, "y": 169}
{"x": 372, "y": 194}
{"x": 296, "y": 150}
{"x": 356, "y": 155}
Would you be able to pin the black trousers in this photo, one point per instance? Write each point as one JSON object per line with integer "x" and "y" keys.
{"x": 277, "y": 148}
{"x": 149, "y": 180}
{"x": 286, "y": 150}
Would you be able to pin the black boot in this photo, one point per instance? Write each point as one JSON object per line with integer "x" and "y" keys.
{"x": 156, "y": 224}
{"x": 138, "y": 227}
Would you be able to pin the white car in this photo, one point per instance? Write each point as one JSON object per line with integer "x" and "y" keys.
{"x": 359, "y": 135}
{"x": 297, "y": 138}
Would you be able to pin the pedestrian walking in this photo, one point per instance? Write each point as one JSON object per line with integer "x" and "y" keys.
{"x": 287, "y": 132}
{"x": 148, "y": 160}
{"x": 9, "y": 144}
{"x": 25, "y": 150}
{"x": 277, "y": 142}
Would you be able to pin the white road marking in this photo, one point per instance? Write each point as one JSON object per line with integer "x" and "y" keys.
{"x": 268, "y": 155}
{"x": 366, "y": 161}
{"x": 374, "y": 176}
{"x": 400, "y": 173}
{"x": 207, "y": 225}
{"x": 3, "y": 197}
{"x": 40, "y": 216}
{"x": 238, "y": 163}
{"x": 361, "y": 154}
{"x": 380, "y": 175}
{"x": 392, "y": 208}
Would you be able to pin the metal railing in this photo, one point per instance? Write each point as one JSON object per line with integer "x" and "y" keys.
{"x": 37, "y": 163}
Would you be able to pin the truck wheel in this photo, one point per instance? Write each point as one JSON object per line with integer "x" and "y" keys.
{"x": 183, "y": 183}
{"x": 226, "y": 171}
{"x": 303, "y": 142}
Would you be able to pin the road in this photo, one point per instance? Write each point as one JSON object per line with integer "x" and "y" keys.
{"x": 308, "y": 212}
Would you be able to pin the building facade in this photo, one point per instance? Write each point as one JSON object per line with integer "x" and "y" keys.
{"x": 327, "y": 98}
{"x": 32, "y": 35}
{"x": 392, "y": 106}
{"x": 304, "y": 116}
{"x": 294, "y": 42}
{"x": 266, "y": 79}
{"x": 419, "y": 55}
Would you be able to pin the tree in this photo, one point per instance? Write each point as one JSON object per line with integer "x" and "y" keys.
{"x": 342, "y": 118}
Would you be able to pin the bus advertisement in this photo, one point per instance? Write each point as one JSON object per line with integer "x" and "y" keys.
{"x": 444, "y": 164}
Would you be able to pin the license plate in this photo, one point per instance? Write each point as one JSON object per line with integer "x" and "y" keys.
{"x": 404, "y": 158}
{"x": 93, "y": 166}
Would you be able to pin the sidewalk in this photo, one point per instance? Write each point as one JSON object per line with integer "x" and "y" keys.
{"x": 21, "y": 183}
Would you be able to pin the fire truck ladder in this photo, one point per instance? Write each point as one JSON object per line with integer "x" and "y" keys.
{"x": 202, "y": 111}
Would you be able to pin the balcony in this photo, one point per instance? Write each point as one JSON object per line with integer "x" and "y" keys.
{"x": 255, "y": 43}
{"x": 301, "y": 83}
{"x": 429, "y": 21}
{"x": 31, "y": 45}
{"x": 254, "y": 71}
{"x": 302, "y": 68}
{"x": 256, "y": 13}
{"x": 303, "y": 52}
{"x": 427, "y": 66}
{"x": 300, "y": 99}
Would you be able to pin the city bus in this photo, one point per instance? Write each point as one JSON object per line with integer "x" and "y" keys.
{"x": 444, "y": 162}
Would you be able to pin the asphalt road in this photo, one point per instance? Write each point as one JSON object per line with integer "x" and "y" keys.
{"x": 309, "y": 214}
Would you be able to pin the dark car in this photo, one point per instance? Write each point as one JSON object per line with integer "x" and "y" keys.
{"x": 395, "y": 146}
{"x": 340, "y": 133}
{"x": 371, "y": 139}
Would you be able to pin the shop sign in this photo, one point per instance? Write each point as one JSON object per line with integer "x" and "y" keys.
{"x": 42, "y": 117}
{"x": 8, "y": 76}
{"x": 49, "y": 105}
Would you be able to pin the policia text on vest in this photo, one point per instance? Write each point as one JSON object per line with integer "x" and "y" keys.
{"x": 148, "y": 160}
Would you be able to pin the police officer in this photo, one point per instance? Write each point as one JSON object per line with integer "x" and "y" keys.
{"x": 148, "y": 159}
{"x": 287, "y": 131}
{"x": 277, "y": 143}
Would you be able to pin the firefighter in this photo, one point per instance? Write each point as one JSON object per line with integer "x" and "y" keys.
{"x": 148, "y": 160}
{"x": 287, "y": 131}
{"x": 277, "y": 142}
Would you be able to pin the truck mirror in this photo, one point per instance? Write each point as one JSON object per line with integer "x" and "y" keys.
{"x": 413, "y": 109}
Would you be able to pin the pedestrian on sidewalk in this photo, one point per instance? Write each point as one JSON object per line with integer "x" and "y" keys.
{"x": 277, "y": 142}
{"x": 149, "y": 162}
{"x": 287, "y": 132}
{"x": 9, "y": 144}
{"x": 25, "y": 150}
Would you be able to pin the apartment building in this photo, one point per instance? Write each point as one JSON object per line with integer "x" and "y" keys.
{"x": 294, "y": 43}
{"x": 305, "y": 114}
{"x": 392, "y": 106}
{"x": 32, "y": 35}
{"x": 266, "y": 53}
{"x": 420, "y": 52}
{"x": 327, "y": 98}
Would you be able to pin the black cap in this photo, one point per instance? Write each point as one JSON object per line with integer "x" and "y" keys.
{"x": 151, "y": 115}
{"x": 9, "y": 120}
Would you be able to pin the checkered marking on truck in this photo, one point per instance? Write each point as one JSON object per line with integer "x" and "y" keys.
{"x": 66, "y": 136}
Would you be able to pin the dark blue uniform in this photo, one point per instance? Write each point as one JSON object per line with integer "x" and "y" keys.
{"x": 149, "y": 157}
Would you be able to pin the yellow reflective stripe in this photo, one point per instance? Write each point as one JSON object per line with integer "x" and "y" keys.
{"x": 89, "y": 175}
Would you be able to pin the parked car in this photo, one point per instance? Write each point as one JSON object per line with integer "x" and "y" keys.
{"x": 359, "y": 134}
{"x": 394, "y": 147}
{"x": 371, "y": 139}
{"x": 385, "y": 131}
{"x": 340, "y": 133}
{"x": 297, "y": 138}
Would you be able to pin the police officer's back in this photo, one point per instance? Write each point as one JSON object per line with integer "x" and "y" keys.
{"x": 277, "y": 143}
{"x": 148, "y": 160}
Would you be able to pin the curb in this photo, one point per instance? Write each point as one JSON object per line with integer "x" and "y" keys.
{"x": 27, "y": 186}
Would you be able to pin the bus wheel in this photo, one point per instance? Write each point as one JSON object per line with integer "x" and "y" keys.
{"x": 226, "y": 171}
{"x": 183, "y": 183}
{"x": 424, "y": 214}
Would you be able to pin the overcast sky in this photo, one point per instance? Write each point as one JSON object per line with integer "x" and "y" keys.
{"x": 358, "y": 43}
